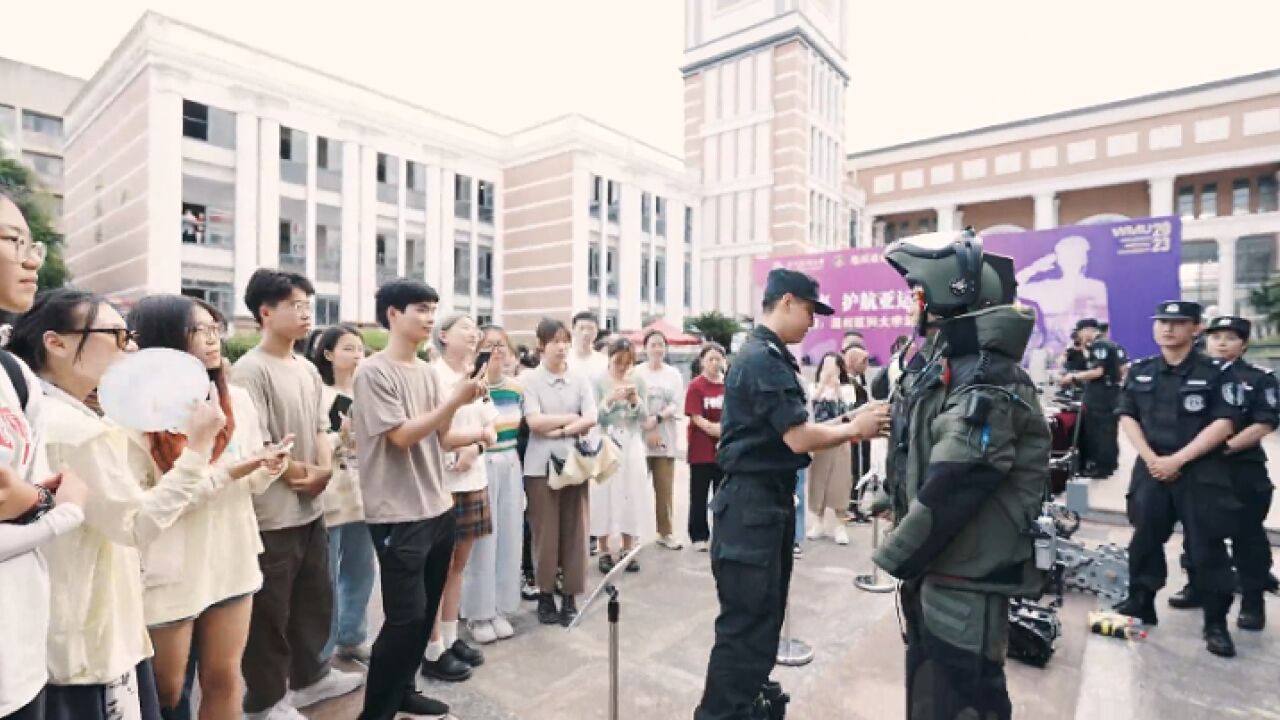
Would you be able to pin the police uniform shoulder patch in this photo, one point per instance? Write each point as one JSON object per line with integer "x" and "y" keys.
{"x": 1193, "y": 403}
{"x": 1270, "y": 396}
{"x": 1231, "y": 393}
{"x": 1100, "y": 353}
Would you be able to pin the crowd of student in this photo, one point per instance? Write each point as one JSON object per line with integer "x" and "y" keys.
{"x": 242, "y": 552}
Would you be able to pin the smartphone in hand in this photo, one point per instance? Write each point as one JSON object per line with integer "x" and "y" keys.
{"x": 482, "y": 363}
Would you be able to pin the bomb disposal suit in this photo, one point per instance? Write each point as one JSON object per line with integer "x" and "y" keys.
{"x": 968, "y": 472}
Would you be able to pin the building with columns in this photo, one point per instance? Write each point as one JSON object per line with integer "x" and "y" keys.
{"x": 1208, "y": 153}
{"x": 764, "y": 132}
{"x": 193, "y": 159}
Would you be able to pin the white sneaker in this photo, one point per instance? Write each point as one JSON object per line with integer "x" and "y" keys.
{"x": 841, "y": 536}
{"x": 502, "y": 628}
{"x": 282, "y": 711}
{"x": 669, "y": 542}
{"x": 360, "y": 653}
{"x": 813, "y": 531}
{"x": 482, "y": 631}
{"x": 336, "y": 684}
{"x": 702, "y": 546}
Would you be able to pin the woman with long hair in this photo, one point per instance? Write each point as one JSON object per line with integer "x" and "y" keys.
{"x": 665, "y": 394}
{"x": 35, "y": 505}
{"x": 98, "y": 647}
{"x": 337, "y": 354}
{"x": 623, "y": 504}
{"x": 703, "y": 403}
{"x": 559, "y": 405}
{"x": 448, "y": 657}
{"x": 491, "y": 583}
{"x": 200, "y": 574}
{"x": 829, "y": 478}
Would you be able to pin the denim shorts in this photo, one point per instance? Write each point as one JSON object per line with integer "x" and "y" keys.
{"x": 220, "y": 604}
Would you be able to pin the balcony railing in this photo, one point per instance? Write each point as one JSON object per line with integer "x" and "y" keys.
{"x": 484, "y": 287}
{"x": 330, "y": 180}
{"x": 486, "y": 214}
{"x": 294, "y": 172}
{"x": 462, "y": 209}
{"x": 388, "y": 193}
{"x": 329, "y": 269}
{"x": 387, "y": 271}
{"x": 416, "y": 200}
{"x": 293, "y": 263}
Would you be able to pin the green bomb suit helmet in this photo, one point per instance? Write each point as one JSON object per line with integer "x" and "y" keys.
{"x": 954, "y": 273}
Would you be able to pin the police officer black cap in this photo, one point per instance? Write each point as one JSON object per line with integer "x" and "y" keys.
{"x": 782, "y": 281}
{"x": 1234, "y": 323}
{"x": 1178, "y": 310}
{"x": 1088, "y": 323}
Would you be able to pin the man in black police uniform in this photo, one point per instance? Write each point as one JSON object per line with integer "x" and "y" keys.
{"x": 765, "y": 439}
{"x": 1174, "y": 412}
{"x": 1257, "y": 392}
{"x": 1100, "y": 452}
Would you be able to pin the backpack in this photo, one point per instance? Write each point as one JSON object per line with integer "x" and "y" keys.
{"x": 14, "y": 370}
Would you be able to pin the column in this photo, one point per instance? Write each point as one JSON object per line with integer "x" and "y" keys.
{"x": 1160, "y": 192}
{"x": 1046, "y": 212}
{"x": 269, "y": 193}
{"x": 448, "y": 233}
{"x": 631, "y": 238}
{"x": 1226, "y": 275}
{"x": 946, "y": 218}
{"x": 164, "y": 195}
{"x": 435, "y": 241}
{"x": 877, "y": 232}
{"x": 349, "y": 258}
{"x": 246, "y": 210}
{"x": 366, "y": 244}
{"x": 309, "y": 230}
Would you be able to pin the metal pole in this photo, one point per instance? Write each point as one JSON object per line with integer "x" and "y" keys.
{"x": 871, "y": 582}
{"x": 613, "y": 608}
{"x": 792, "y": 652}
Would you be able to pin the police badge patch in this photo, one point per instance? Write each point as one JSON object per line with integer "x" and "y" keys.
{"x": 1229, "y": 393}
{"x": 1100, "y": 353}
{"x": 1193, "y": 403}
{"x": 1270, "y": 395}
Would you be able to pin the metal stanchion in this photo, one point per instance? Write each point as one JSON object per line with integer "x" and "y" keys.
{"x": 607, "y": 587}
{"x": 792, "y": 652}
{"x": 871, "y": 582}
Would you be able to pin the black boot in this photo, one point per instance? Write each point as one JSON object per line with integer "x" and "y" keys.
{"x": 1216, "y": 638}
{"x": 547, "y": 613}
{"x": 1140, "y": 604}
{"x": 771, "y": 703}
{"x": 568, "y": 610}
{"x": 1185, "y": 599}
{"x": 1253, "y": 612}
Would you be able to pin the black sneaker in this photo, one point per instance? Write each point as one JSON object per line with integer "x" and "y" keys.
{"x": 1185, "y": 598}
{"x": 1253, "y": 612}
{"x": 466, "y": 653}
{"x": 420, "y": 705}
{"x": 447, "y": 668}
{"x": 633, "y": 566}
{"x": 568, "y": 611}
{"x": 605, "y": 563}
{"x": 547, "y": 613}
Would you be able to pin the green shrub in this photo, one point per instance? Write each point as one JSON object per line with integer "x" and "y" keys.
{"x": 375, "y": 339}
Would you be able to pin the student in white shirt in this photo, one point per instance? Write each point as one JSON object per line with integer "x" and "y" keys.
{"x": 200, "y": 574}
{"x": 664, "y": 401}
{"x": 583, "y": 357}
{"x": 27, "y": 522}
{"x": 98, "y": 646}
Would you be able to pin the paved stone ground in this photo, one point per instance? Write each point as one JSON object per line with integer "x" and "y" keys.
{"x": 667, "y": 619}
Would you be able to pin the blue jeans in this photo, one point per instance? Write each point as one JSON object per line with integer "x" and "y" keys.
{"x": 352, "y": 567}
{"x": 800, "y": 506}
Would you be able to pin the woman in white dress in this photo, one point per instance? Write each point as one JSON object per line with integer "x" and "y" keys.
{"x": 622, "y": 504}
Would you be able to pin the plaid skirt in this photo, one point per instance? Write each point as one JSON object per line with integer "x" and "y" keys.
{"x": 471, "y": 514}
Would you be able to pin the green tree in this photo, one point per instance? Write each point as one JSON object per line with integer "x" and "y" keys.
{"x": 714, "y": 326}
{"x": 18, "y": 182}
{"x": 1266, "y": 300}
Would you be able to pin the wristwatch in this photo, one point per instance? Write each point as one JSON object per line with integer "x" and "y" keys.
{"x": 44, "y": 504}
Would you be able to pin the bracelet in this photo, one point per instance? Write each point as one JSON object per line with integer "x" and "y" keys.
{"x": 44, "y": 503}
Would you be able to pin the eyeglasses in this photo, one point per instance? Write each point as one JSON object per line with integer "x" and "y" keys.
{"x": 124, "y": 336}
{"x": 210, "y": 332}
{"x": 302, "y": 308}
{"x": 25, "y": 248}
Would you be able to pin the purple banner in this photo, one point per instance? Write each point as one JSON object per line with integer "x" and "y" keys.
{"x": 1113, "y": 271}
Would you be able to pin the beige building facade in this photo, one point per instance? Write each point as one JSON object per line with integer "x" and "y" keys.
{"x": 1209, "y": 154}
{"x": 33, "y": 101}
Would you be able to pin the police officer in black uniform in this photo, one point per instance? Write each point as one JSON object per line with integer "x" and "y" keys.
{"x": 1176, "y": 415}
{"x": 766, "y": 437}
{"x": 1258, "y": 393}
{"x": 1100, "y": 452}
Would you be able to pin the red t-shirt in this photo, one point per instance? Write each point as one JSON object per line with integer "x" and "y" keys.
{"x": 704, "y": 399}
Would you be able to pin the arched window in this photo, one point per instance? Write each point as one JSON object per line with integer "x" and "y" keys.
{"x": 1002, "y": 230}
{"x": 1103, "y": 218}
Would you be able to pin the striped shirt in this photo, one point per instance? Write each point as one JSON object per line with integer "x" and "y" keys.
{"x": 508, "y": 399}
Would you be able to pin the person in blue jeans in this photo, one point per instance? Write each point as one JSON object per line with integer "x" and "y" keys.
{"x": 337, "y": 353}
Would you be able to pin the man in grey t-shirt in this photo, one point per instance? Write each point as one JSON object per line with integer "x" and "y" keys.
{"x": 399, "y": 419}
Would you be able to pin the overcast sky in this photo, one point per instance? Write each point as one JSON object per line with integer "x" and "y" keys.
{"x": 919, "y": 68}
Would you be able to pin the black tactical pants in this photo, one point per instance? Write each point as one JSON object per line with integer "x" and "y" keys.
{"x": 751, "y": 538}
{"x": 944, "y": 680}
{"x": 1207, "y": 508}
{"x": 1099, "y": 446}
{"x": 1249, "y": 544}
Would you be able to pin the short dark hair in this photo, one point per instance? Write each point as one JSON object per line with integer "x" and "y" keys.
{"x": 585, "y": 315}
{"x": 548, "y": 329}
{"x": 710, "y": 347}
{"x": 59, "y": 310}
{"x": 770, "y": 302}
{"x": 327, "y": 342}
{"x": 400, "y": 293}
{"x": 651, "y": 333}
{"x": 272, "y": 287}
